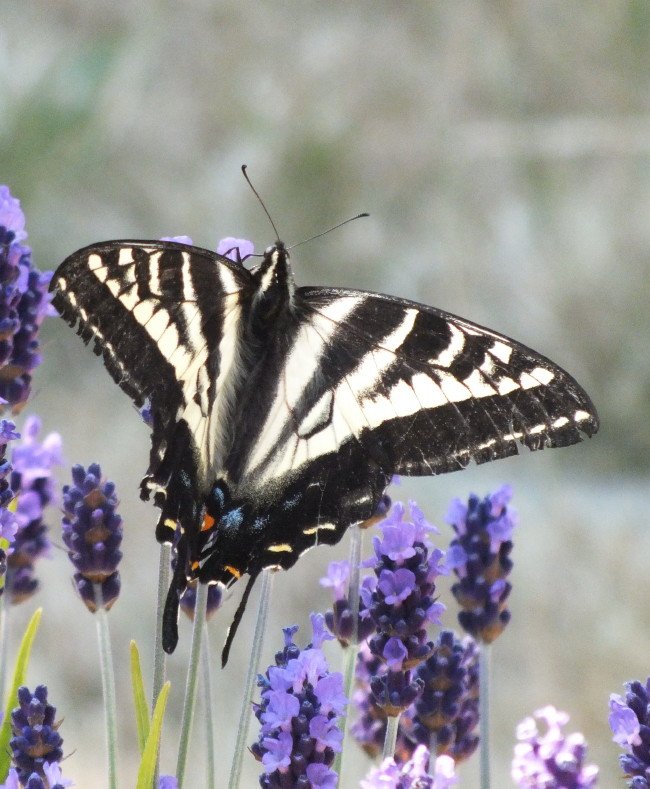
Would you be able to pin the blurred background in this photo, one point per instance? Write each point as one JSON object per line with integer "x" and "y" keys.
{"x": 503, "y": 152}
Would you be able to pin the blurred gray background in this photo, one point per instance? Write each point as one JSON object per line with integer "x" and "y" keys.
{"x": 503, "y": 152}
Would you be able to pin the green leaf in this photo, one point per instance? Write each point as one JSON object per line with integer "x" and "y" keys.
{"x": 20, "y": 670}
{"x": 147, "y": 770}
{"x": 139, "y": 698}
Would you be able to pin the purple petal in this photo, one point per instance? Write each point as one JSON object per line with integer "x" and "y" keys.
{"x": 282, "y": 707}
{"x": 337, "y": 578}
{"x": 329, "y": 692}
{"x": 235, "y": 249}
{"x": 11, "y": 214}
{"x": 178, "y": 239}
{"x": 319, "y": 630}
{"x": 278, "y": 752}
{"x": 395, "y": 653}
{"x": 321, "y": 777}
{"x": 623, "y": 722}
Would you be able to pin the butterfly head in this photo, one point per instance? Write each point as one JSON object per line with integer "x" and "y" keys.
{"x": 273, "y": 280}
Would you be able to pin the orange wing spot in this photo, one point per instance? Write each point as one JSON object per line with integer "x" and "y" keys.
{"x": 195, "y": 565}
{"x": 208, "y": 523}
{"x": 233, "y": 570}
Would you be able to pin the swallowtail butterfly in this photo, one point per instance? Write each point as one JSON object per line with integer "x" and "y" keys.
{"x": 280, "y": 413}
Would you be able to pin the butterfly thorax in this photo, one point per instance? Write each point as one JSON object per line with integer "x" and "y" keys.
{"x": 274, "y": 285}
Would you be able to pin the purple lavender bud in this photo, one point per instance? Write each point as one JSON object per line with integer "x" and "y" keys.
{"x": 402, "y": 604}
{"x": 24, "y": 304}
{"x": 188, "y": 600}
{"x": 235, "y": 249}
{"x": 301, "y": 703}
{"x": 92, "y": 532}
{"x": 629, "y": 720}
{"x": 553, "y": 759}
{"x": 167, "y": 782}
{"x": 32, "y": 480}
{"x": 36, "y": 740}
{"x": 414, "y": 774}
{"x": 479, "y": 556}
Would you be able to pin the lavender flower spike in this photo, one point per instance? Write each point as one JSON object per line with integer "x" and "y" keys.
{"x": 479, "y": 556}
{"x": 299, "y": 711}
{"x": 24, "y": 304}
{"x": 32, "y": 479}
{"x": 629, "y": 720}
{"x": 552, "y": 760}
{"x": 402, "y": 605}
{"x": 36, "y": 742}
{"x": 92, "y": 532}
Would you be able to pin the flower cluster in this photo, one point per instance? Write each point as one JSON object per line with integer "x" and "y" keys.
{"x": 36, "y": 741}
{"x": 479, "y": 555}
{"x": 445, "y": 716}
{"x": 401, "y": 605}
{"x": 551, "y": 759}
{"x": 414, "y": 774}
{"x": 33, "y": 462}
{"x": 92, "y": 533}
{"x": 301, "y": 704}
{"x": 24, "y": 303}
{"x": 629, "y": 720}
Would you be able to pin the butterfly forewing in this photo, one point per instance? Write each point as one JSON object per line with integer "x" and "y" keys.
{"x": 420, "y": 390}
{"x": 165, "y": 317}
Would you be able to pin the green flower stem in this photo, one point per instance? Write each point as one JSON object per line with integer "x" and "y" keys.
{"x": 206, "y": 676}
{"x": 246, "y": 707}
{"x": 108, "y": 685}
{"x": 192, "y": 675}
{"x": 392, "y": 727}
{"x": 159, "y": 656}
{"x": 350, "y": 652}
{"x": 484, "y": 713}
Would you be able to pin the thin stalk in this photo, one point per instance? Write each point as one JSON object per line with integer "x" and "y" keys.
{"x": 206, "y": 677}
{"x": 390, "y": 741}
{"x": 251, "y": 674}
{"x": 350, "y": 652}
{"x": 484, "y": 713}
{"x": 192, "y": 675}
{"x": 4, "y": 637}
{"x": 159, "y": 657}
{"x": 108, "y": 686}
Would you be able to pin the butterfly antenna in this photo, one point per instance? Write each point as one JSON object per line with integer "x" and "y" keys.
{"x": 329, "y": 230}
{"x": 261, "y": 202}
{"x": 239, "y": 613}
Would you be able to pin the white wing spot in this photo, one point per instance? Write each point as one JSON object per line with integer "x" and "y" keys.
{"x": 478, "y": 386}
{"x": 506, "y": 385}
{"x": 501, "y": 351}
{"x": 453, "y": 349}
